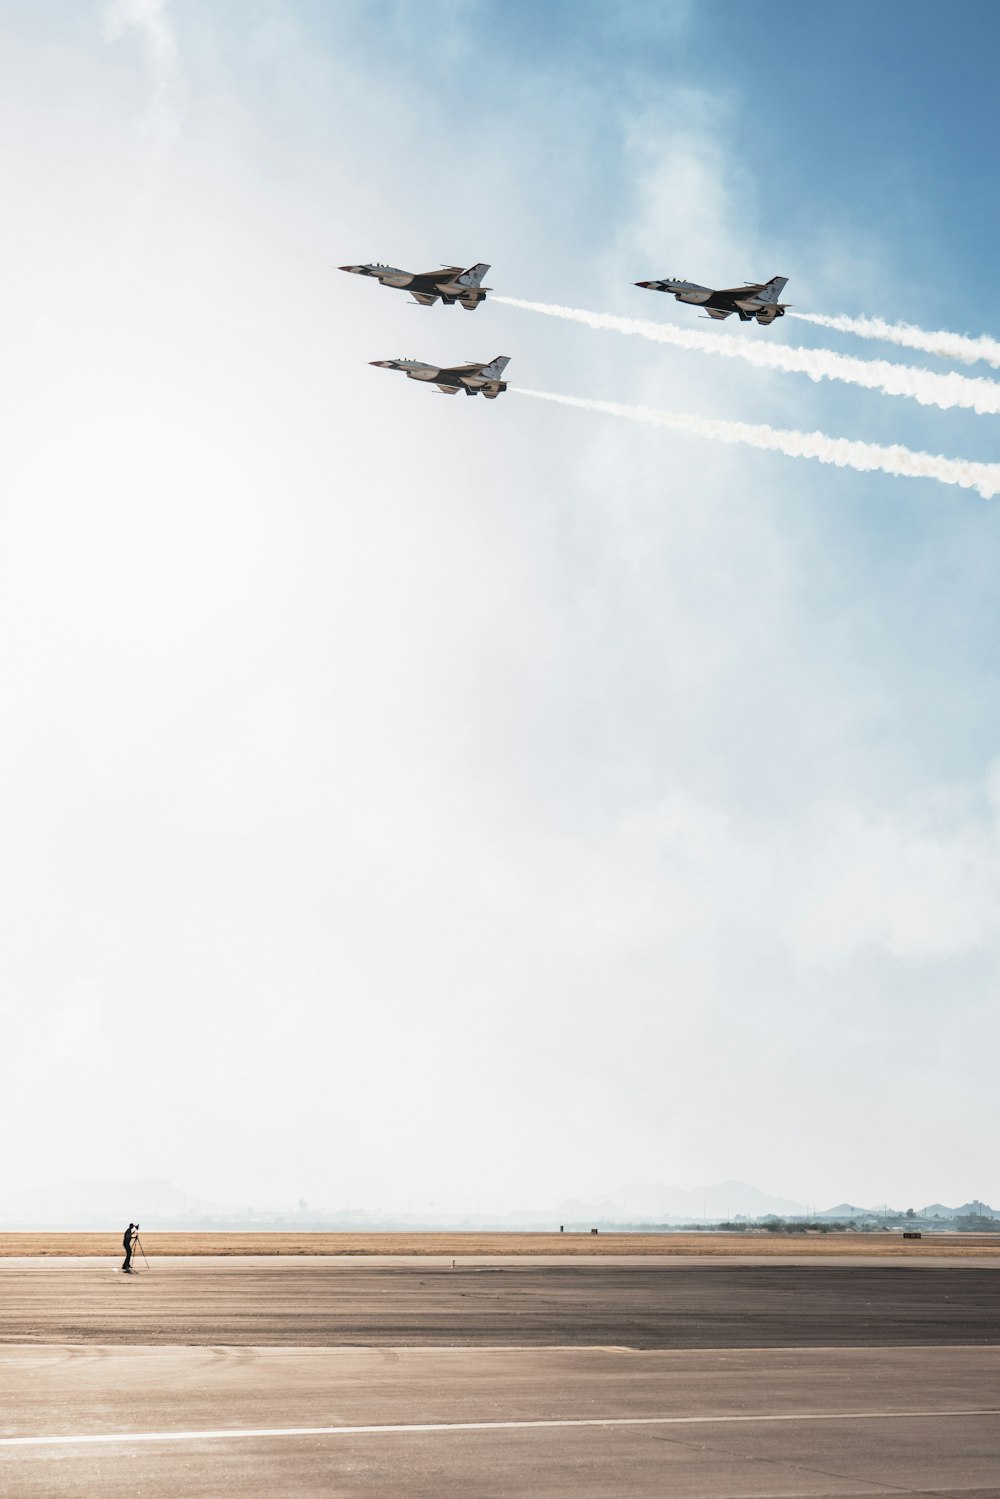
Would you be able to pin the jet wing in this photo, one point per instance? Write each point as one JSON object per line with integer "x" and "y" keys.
{"x": 717, "y": 312}
{"x": 442, "y": 273}
{"x": 749, "y": 290}
{"x": 448, "y": 390}
{"x": 423, "y": 298}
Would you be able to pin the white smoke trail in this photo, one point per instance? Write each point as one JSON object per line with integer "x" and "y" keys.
{"x": 865, "y": 457}
{"x": 925, "y": 386}
{"x": 945, "y": 345}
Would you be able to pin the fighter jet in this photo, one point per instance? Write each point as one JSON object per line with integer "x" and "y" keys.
{"x": 472, "y": 378}
{"x": 450, "y": 283}
{"x": 751, "y": 300}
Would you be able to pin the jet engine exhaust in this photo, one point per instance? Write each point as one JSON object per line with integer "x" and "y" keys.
{"x": 925, "y": 386}
{"x": 864, "y": 457}
{"x": 959, "y": 346}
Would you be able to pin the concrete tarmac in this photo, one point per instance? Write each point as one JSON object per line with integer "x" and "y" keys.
{"x": 206, "y": 1379}
{"x": 455, "y": 1423}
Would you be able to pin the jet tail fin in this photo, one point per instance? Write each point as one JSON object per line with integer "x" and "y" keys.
{"x": 496, "y": 367}
{"x": 474, "y": 275}
{"x": 772, "y": 291}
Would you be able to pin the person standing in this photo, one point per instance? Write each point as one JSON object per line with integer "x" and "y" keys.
{"x": 131, "y": 1234}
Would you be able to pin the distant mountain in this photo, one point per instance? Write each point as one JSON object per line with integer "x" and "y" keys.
{"x": 83, "y": 1204}
{"x": 931, "y": 1210}
{"x": 647, "y": 1201}
{"x": 153, "y": 1200}
{"x": 654, "y": 1202}
{"x": 846, "y": 1210}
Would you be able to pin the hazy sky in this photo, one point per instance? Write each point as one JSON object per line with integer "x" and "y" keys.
{"x": 410, "y": 801}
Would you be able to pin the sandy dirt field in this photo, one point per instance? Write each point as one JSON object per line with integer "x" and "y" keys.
{"x": 964, "y": 1246}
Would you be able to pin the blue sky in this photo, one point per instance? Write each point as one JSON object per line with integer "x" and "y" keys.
{"x": 863, "y": 110}
{"x": 840, "y": 112}
{"x": 393, "y": 762}
{"x": 841, "y": 109}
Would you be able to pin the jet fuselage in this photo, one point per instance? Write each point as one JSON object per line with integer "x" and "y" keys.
{"x": 474, "y": 379}
{"x": 754, "y": 300}
{"x": 451, "y": 283}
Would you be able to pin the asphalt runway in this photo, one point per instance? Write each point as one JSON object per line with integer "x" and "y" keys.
{"x": 308, "y": 1378}
{"x": 328, "y": 1303}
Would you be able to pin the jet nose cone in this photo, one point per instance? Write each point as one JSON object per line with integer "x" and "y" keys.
{"x": 349, "y": 268}
{"x": 642, "y": 283}
{"x": 381, "y": 364}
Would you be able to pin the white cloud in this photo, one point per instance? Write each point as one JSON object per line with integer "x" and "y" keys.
{"x": 921, "y": 886}
{"x": 151, "y": 22}
{"x": 372, "y": 763}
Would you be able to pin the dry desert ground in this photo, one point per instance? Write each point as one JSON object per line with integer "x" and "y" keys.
{"x": 762, "y": 1245}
